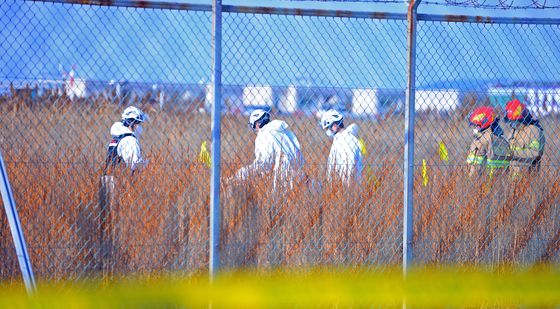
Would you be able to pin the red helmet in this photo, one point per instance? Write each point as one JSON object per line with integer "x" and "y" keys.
{"x": 483, "y": 117}
{"x": 515, "y": 110}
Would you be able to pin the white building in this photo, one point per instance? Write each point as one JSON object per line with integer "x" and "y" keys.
{"x": 540, "y": 101}
{"x": 440, "y": 100}
{"x": 74, "y": 87}
{"x": 289, "y": 100}
{"x": 367, "y": 102}
{"x": 258, "y": 96}
{"x": 499, "y": 96}
{"x": 548, "y": 100}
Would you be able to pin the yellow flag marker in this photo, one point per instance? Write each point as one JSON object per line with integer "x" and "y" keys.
{"x": 443, "y": 152}
{"x": 204, "y": 155}
{"x": 369, "y": 173}
{"x": 363, "y": 148}
{"x": 424, "y": 173}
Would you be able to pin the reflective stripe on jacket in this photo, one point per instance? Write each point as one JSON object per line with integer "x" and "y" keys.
{"x": 488, "y": 151}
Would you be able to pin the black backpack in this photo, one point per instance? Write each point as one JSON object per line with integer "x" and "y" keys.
{"x": 113, "y": 159}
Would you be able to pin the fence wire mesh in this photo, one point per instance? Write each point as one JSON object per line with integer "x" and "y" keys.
{"x": 55, "y": 132}
{"x": 492, "y": 217}
{"x": 69, "y": 71}
{"x": 329, "y": 65}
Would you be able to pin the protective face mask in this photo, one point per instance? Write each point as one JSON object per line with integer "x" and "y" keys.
{"x": 330, "y": 133}
{"x": 138, "y": 130}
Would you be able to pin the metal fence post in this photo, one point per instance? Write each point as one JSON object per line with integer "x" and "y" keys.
{"x": 214, "y": 258}
{"x": 15, "y": 228}
{"x": 107, "y": 206}
{"x": 409, "y": 137}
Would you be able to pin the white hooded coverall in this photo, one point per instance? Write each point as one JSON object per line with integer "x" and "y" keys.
{"x": 345, "y": 158}
{"x": 276, "y": 149}
{"x": 128, "y": 148}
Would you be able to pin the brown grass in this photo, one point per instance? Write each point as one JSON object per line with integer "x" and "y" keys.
{"x": 54, "y": 151}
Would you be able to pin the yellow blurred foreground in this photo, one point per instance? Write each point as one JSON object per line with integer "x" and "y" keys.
{"x": 428, "y": 288}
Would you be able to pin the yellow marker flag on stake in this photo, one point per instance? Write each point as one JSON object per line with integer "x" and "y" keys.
{"x": 363, "y": 148}
{"x": 204, "y": 155}
{"x": 424, "y": 173}
{"x": 443, "y": 152}
{"x": 369, "y": 173}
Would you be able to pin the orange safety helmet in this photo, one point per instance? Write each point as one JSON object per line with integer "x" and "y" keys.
{"x": 515, "y": 110}
{"x": 483, "y": 117}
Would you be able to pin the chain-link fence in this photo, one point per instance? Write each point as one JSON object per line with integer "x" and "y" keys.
{"x": 487, "y": 216}
{"x": 68, "y": 72}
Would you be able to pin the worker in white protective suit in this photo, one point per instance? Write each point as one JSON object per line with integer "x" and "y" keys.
{"x": 345, "y": 158}
{"x": 124, "y": 146}
{"x": 277, "y": 150}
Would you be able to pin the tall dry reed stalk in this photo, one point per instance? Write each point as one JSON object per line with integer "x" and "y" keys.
{"x": 54, "y": 151}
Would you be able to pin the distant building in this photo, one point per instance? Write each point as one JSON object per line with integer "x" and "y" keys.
{"x": 310, "y": 100}
{"x": 289, "y": 100}
{"x": 438, "y": 100}
{"x": 499, "y": 96}
{"x": 75, "y": 87}
{"x": 373, "y": 102}
{"x": 258, "y": 96}
{"x": 365, "y": 102}
{"x": 540, "y": 100}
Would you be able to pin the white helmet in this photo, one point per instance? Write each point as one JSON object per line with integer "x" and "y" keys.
{"x": 330, "y": 117}
{"x": 134, "y": 115}
{"x": 258, "y": 115}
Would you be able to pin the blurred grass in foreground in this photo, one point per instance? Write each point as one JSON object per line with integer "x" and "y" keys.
{"x": 450, "y": 287}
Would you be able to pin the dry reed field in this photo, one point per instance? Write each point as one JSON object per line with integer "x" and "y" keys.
{"x": 54, "y": 151}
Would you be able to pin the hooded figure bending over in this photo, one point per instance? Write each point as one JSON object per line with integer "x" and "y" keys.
{"x": 489, "y": 151}
{"x": 277, "y": 150}
{"x": 526, "y": 140}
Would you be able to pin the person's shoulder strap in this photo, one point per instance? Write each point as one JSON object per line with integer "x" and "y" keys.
{"x": 125, "y": 135}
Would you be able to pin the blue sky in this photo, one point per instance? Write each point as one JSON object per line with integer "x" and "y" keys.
{"x": 174, "y": 47}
